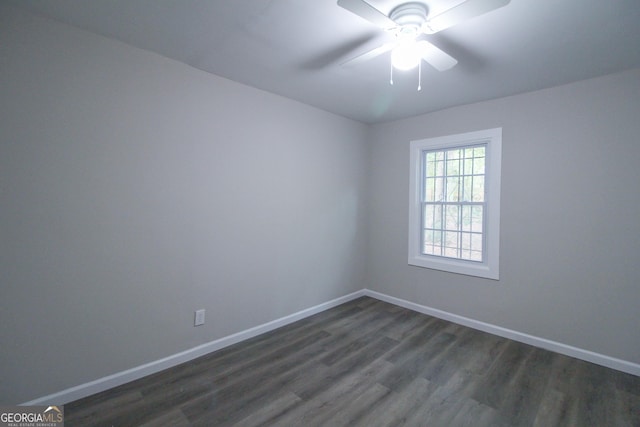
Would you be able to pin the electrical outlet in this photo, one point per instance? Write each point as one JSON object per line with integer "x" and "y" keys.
{"x": 199, "y": 318}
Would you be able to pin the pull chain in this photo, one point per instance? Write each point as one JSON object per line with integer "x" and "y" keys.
{"x": 419, "y": 75}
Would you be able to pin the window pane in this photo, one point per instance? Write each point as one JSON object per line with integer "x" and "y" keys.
{"x": 453, "y": 154}
{"x": 451, "y": 252}
{"x": 430, "y": 169}
{"x": 466, "y": 218}
{"x": 427, "y": 216}
{"x": 453, "y": 197}
{"x": 432, "y": 244}
{"x": 432, "y": 218}
{"x": 468, "y": 166}
{"x": 451, "y": 239}
{"x": 453, "y": 189}
{"x": 434, "y": 189}
{"x": 478, "y": 189}
{"x": 451, "y": 217}
{"x": 467, "y": 188}
{"x": 476, "y": 242}
{"x": 430, "y": 190}
{"x": 478, "y": 165}
{"x": 432, "y": 250}
{"x": 438, "y": 194}
{"x": 453, "y": 167}
{"x": 465, "y": 240}
{"x": 476, "y": 218}
{"x": 439, "y": 167}
{"x": 429, "y": 237}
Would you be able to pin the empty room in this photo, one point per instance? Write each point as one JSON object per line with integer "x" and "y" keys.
{"x": 320, "y": 212}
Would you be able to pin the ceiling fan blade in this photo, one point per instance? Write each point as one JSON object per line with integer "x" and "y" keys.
{"x": 467, "y": 10}
{"x": 370, "y": 54}
{"x": 436, "y": 57}
{"x": 368, "y": 12}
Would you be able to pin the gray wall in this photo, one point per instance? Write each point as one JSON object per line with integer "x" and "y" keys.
{"x": 134, "y": 190}
{"x": 570, "y": 230}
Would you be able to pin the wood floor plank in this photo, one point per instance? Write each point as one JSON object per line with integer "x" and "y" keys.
{"x": 593, "y": 386}
{"x": 369, "y": 363}
{"x": 261, "y": 366}
{"x": 627, "y": 409}
{"x": 494, "y": 388}
{"x": 415, "y": 341}
{"x": 268, "y": 414}
{"x": 369, "y": 353}
{"x": 361, "y": 385}
{"x": 526, "y": 388}
{"x": 553, "y": 410}
{"x": 353, "y": 409}
{"x": 438, "y": 409}
{"x": 398, "y": 405}
{"x": 459, "y": 354}
{"x": 358, "y": 386}
{"x": 94, "y": 408}
{"x": 174, "y": 418}
{"x": 625, "y": 382}
{"x": 473, "y": 413}
{"x": 248, "y": 389}
{"x": 406, "y": 324}
{"x": 417, "y": 361}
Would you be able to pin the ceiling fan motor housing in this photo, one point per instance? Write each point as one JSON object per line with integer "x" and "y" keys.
{"x": 410, "y": 17}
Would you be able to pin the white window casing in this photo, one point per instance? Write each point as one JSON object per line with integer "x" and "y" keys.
{"x": 444, "y": 234}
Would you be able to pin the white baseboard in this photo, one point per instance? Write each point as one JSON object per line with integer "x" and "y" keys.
{"x": 578, "y": 353}
{"x": 129, "y": 375}
{"x": 105, "y": 383}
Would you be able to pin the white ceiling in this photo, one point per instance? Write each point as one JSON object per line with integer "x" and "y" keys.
{"x": 294, "y": 47}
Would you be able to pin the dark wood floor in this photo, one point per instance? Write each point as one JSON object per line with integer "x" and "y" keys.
{"x": 369, "y": 363}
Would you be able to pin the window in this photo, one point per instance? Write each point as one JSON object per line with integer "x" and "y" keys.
{"x": 454, "y": 208}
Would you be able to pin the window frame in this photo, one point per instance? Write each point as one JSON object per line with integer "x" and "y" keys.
{"x": 489, "y": 267}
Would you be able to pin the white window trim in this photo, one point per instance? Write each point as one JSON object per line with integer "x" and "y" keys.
{"x": 491, "y": 266}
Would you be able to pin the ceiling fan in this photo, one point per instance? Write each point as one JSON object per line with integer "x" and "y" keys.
{"x": 407, "y": 22}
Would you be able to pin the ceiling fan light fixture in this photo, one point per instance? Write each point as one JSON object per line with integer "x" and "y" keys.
{"x": 409, "y": 17}
{"x": 406, "y": 55}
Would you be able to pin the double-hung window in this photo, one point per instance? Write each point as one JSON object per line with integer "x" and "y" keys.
{"x": 454, "y": 209}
